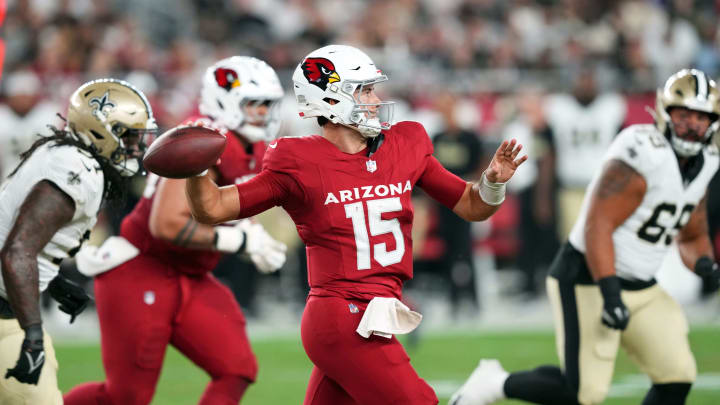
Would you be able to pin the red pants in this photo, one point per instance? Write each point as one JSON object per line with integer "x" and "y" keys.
{"x": 350, "y": 369}
{"x": 143, "y": 305}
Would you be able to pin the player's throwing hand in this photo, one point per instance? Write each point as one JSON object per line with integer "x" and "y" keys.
{"x": 503, "y": 164}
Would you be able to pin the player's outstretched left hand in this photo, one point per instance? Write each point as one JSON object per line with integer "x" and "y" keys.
{"x": 504, "y": 162}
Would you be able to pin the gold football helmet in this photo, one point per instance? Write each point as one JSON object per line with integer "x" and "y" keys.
{"x": 113, "y": 118}
{"x": 694, "y": 90}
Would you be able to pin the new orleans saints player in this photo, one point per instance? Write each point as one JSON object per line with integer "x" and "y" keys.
{"x": 47, "y": 208}
{"x": 650, "y": 192}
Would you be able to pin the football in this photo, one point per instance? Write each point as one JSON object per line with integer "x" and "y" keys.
{"x": 184, "y": 151}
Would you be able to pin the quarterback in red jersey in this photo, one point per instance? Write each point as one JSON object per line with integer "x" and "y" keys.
{"x": 166, "y": 294}
{"x": 348, "y": 192}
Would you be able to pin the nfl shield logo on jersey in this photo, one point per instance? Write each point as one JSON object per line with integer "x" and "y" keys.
{"x": 371, "y": 165}
{"x": 149, "y": 297}
{"x": 353, "y": 308}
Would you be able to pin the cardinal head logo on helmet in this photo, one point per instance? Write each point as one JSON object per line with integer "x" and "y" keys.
{"x": 226, "y": 78}
{"x": 320, "y": 72}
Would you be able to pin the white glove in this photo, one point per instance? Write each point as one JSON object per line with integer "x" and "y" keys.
{"x": 266, "y": 253}
{"x": 229, "y": 237}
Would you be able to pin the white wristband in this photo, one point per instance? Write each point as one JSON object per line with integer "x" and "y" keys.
{"x": 491, "y": 193}
{"x": 228, "y": 239}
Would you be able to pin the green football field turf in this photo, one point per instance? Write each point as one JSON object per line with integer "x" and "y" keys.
{"x": 444, "y": 360}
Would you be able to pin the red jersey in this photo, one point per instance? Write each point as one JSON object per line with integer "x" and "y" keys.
{"x": 353, "y": 211}
{"x": 237, "y": 164}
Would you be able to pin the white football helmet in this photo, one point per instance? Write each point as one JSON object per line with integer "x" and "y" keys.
{"x": 232, "y": 85}
{"x": 339, "y": 72}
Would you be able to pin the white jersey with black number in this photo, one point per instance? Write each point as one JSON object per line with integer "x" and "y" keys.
{"x": 582, "y": 134}
{"x": 74, "y": 172}
{"x": 642, "y": 241}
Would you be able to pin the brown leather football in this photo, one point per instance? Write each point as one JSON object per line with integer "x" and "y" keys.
{"x": 184, "y": 151}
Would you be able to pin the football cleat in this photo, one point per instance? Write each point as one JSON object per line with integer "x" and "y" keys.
{"x": 484, "y": 387}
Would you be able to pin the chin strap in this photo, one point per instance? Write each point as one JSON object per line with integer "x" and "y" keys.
{"x": 253, "y": 133}
{"x": 374, "y": 144}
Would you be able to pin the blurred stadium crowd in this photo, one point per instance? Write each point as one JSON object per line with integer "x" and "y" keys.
{"x": 472, "y": 71}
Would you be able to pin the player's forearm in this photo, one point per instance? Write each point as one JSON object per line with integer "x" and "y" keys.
{"x": 693, "y": 239}
{"x": 20, "y": 275}
{"x": 472, "y": 207}
{"x": 204, "y": 198}
{"x": 479, "y": 209}
{"x": 188, "y": 233}
{"x": 693, "y": 249}
{"x": 600, "y": 250}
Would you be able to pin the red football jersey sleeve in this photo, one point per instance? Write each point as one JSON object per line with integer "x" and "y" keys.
{"x": 238, "y": 163}
{"x": 353, "y": 211}
{"x": 442, "y": 185}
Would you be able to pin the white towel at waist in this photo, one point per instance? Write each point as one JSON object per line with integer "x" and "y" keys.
{"x": 93, "y": 260}
{"x": 386, "y": 317}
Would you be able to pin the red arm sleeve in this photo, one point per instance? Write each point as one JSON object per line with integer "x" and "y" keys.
{"x": 266, "y": 190}
{"x": 443, "y": 186}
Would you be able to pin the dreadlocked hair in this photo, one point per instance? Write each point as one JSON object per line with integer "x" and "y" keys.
{"x": 115, "y": 186}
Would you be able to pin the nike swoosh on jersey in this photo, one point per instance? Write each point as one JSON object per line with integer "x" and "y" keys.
{"x": 273, "y": 145}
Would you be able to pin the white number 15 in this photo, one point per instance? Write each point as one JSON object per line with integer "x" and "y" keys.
{"x": 378, "y": 226}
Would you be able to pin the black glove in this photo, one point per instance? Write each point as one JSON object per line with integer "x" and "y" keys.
{"x": 32, "y": 357}
{"x": 615, "y": 314}
{"x": 72, "y": 298}
{"x": 706, "y": 268}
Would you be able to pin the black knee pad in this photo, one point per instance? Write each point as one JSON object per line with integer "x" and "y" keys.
{"x": 667, "y": 394}
{"x": 550, "y": 371}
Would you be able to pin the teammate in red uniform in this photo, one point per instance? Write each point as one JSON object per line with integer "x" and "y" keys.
{"x": 166, "y": 294}
{"x": 348, "y": 192}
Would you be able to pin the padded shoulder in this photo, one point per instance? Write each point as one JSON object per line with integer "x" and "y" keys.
{"x": 412, "y": 134}
{"x": 74, "y": 172}
{"x": 281, "y": 154}
{"x": 642, "y": 147}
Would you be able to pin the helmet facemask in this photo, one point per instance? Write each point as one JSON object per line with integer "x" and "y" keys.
{"x": 132, "y": 144}
{"x": 691, "y": 143}
{"x": 368, "y": 118}
{"x": 260, "y": 127}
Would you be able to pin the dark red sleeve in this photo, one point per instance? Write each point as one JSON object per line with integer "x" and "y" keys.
{"x": 443, "y": 186}
{"x": 266, "y": 190}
